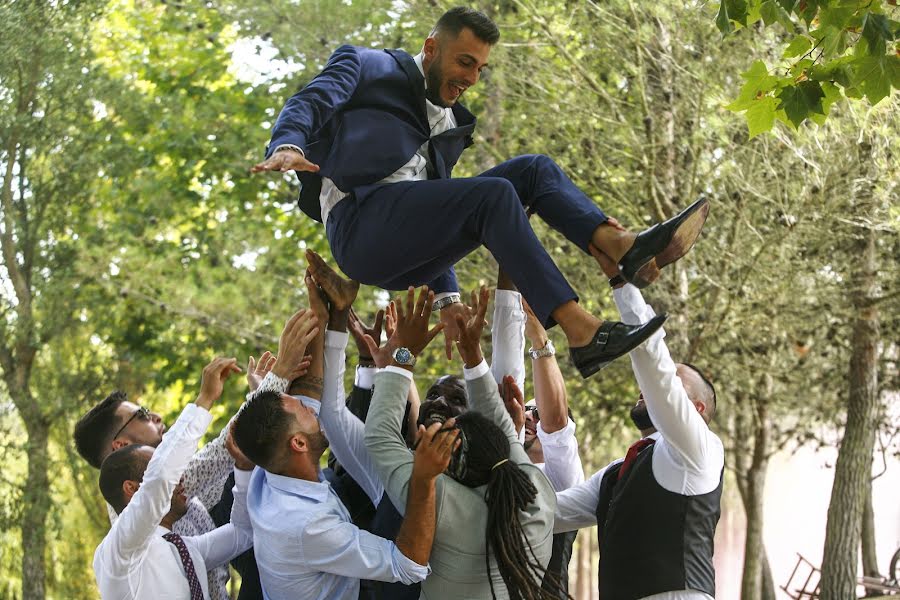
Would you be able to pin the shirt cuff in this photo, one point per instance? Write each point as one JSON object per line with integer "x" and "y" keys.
{"x": 197, "y": 418}
{"x": 365, "y": 377}
{"x": 413, "y": 571}
{"x": 476, "y": 372}
{"x": 242, "y": 478}
{"x": 336, "y": 339}
{"x": 398, "y": 370}
{"x": 290, "y": 147}
{"x": 507, "y": 299}
{"x": 271, "y": 383}
{"x": 557, "y": 438}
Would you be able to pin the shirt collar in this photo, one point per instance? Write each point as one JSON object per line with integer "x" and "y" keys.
{"x": 654, "y": 436}
{"x": 315, "y": 491}
{"x": 419, "y": 58}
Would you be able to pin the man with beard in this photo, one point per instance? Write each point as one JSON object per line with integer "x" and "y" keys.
{"x": 374, "y": 138}
{"x": 305, "y": 540}
{"x": 657, "y": 509}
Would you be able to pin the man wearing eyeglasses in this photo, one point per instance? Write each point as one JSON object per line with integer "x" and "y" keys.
{"x": 116, "y": 422}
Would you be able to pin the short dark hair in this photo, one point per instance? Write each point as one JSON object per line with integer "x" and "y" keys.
{"x": 125, "y": 464}
{"x": 709, "y": 384}
{"x": 462, "y": 17}
{"x": 261, "y": 426}
{"x": 93, "y": 432}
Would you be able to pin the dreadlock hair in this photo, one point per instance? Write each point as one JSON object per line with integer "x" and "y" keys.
{"x": 509, "y": 491}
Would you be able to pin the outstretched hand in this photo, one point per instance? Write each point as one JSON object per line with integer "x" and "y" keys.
{"x": 257, "y": 371}
{"x": 360, "y": 330}
{"x": 212, "y": 382}
{"x": 411, "y": 330}
{"x": 285, "y": 160}
{"x": 448, "y": 316}
{"x": 297, "y": 334}
{"x": 514, "y": 401}
{"x": 471, "y": 327}
{"x": 434, "y": 449}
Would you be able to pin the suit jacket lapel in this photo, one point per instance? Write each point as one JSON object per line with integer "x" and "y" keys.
{"x": 416, "y": 82}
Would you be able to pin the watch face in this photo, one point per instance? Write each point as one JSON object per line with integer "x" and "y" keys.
{"x": 403, "y": 356}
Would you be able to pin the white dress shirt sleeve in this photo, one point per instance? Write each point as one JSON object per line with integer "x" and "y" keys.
{"x": 136, "y": 525}
{"x": 576, "y": 507}
{"x": 686, "y": 437}
{"x": 562, "y": 460}
{"x": 345, "y": 433}
{"x": 224, "y": 543}
{"x": 335, "y": 546}
{"x": 508, "y": 337}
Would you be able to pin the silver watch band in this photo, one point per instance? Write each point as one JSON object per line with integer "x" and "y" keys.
{"x": 548, "y": 350}
{"x": 445, "y": 301}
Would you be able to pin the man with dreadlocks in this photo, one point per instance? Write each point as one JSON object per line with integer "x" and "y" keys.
{"x": 496, "y": 551}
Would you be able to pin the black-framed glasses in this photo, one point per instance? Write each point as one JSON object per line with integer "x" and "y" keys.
{"x": 141, "y": 412}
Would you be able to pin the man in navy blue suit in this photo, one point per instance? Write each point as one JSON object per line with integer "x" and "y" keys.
{"x": 374, "y": 138}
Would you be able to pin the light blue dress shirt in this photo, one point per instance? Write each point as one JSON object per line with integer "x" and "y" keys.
{"x": 307, "y": 546}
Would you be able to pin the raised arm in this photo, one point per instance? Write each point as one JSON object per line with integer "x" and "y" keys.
{"x": 343, "y": 430}
{"x": 672, "y": 412}
{"x": 393, "y": 461}
{"x": 507, "y": 333}
{"x": 556, "y": 431}
{"x": 152, "y": 500}
{"x": 309, "y": 109}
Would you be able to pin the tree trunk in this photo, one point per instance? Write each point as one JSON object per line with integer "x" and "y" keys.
{"x": 854, "y": 464}
{"x": 583, "y": 584}
{"x": 36, "y": 507}
{"x": 752, "y": 489}
{"x": 768, "y": 584}
{"x": 869, "y": 555}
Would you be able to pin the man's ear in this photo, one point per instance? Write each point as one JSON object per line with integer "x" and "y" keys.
{"x": 129, "y": 488}
{"x": 429, "y": 49}
{"x": 701, "y": 407}
{"x": 299, "y": 443}
{"x": 119, "y": 443}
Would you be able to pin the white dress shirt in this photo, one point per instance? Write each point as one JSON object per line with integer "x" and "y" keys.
{"x": 687, "y": 458}
{"x": 203, "y": 481}
{"x": 440, "y": 119}
{"x": 133, "y": 561}
{"x": 562, "y": 459}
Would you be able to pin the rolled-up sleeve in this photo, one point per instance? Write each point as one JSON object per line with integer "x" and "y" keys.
{"x": 562, "y": 460}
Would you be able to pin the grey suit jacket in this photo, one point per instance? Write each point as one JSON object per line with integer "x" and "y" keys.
{"x": 458, "y": 556}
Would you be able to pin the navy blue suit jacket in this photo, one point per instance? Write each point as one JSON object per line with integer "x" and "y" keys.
{"x": 361, "y": 119}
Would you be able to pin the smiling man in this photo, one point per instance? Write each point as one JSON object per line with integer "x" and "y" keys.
{"x": 374, "y": 138}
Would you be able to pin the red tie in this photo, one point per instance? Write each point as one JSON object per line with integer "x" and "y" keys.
{"x": 632, "y": 454}
{"x": 188, "y": 563}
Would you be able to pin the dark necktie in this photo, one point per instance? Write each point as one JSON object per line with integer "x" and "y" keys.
{"x": 632, "y": 454}
{"x": 193, "y": 582}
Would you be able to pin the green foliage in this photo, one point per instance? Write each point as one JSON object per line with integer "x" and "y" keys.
{"x": 850, "y": 47}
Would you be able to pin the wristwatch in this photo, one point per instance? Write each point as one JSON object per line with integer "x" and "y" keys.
{"x": 402, "y": 356}
{"x": 445, "y": 301}
{"x": 547, "y": 350}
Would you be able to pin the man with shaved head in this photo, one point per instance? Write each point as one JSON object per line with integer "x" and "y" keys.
{"x": 656, "y": 511}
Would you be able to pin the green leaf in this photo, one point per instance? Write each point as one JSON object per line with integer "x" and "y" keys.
{"x": 757, "y": 82}
{"x": 836, "y": 16}
{"x": 800, "y": 100}
{"x": 873, "y": 75}
{"x": 731, "y": 11}
{"x": 876, "y": 32}
{"x": 832, "y": 41}
{"x": 787, "y": 5}
{"x": 761, "y": 116}
{"x": 768, "y": 10}
{"x": 800, "y": 45}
